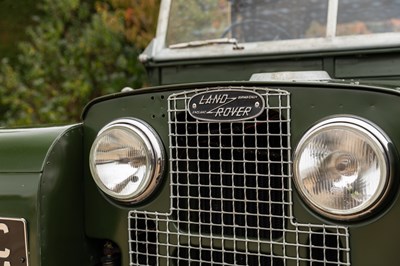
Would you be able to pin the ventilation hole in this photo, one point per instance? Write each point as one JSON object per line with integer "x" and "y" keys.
{"x": 143, "y": 241}
{"x": 325, "y": 249}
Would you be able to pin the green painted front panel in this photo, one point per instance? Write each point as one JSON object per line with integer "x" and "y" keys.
{"x": 235, "y": 71}
{"x": 352, "y": 64}
{"x": 368, "y": 66}
{"x": 60, "y": 203}
{"x": 18, "y": 199}
{"x": 310, "y": 103}
{"x": 105, "y": 219}
{"x": 374, "y": 241}
{"x": 25, "y": 149}
{"x": 44, "y": 186}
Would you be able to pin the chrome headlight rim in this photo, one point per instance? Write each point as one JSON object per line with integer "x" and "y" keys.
{"x": 381, "y": 141}
{"x": 156, "y": 157}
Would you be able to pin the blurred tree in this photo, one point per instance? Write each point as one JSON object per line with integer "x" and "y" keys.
{"x": 14, "y": 18}
{"x": 78, "y": 50}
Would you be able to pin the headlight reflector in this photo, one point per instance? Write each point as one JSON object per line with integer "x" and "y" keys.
{"x": 126, "y": 160}
{"x": 341, "y": 167}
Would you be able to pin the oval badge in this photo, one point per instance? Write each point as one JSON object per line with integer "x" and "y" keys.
{"x": 226, "y": 105}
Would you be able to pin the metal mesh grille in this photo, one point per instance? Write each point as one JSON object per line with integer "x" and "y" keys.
{"x": 231, "y": 196}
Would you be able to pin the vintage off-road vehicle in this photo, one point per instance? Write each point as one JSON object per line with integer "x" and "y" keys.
{"x": 270, "y": 137}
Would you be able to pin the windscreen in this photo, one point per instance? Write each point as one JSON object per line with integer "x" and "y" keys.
{"x": 356, "y": 17}
{"x": 270, "y": 20}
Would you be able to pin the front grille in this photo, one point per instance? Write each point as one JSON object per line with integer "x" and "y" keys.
{"x": 219, "y": 177}
{"x": 231, "y": 195}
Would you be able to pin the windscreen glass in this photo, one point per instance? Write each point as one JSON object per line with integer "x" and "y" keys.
{"x": 356, "y": 17}
{"x": 245, "y": 20}
{"x": 272, "y": 20}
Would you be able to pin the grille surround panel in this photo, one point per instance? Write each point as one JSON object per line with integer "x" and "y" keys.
{"x": 231, "y": 195}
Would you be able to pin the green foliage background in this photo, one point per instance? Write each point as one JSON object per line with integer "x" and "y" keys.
{"x": 77, "y": 50}
{"x": 14, "y": 17}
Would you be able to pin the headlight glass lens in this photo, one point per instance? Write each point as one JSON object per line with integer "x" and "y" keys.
{"x": 126, "y": 160}
{"x": 341, "y": 167}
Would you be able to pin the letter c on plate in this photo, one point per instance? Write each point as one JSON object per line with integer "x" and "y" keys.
{"x": 6, "y": 252}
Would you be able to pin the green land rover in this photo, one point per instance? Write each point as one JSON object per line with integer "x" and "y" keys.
{"x": 270, "y": 137}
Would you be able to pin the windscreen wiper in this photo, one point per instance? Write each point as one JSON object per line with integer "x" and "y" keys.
{"x": 192, "y": 44}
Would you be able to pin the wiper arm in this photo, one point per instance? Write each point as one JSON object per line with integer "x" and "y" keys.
{"x": 192, "y": 44}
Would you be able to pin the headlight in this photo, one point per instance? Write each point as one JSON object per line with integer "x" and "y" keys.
{"x": 126, "y": 160}
{"x": 341, "y": 168}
